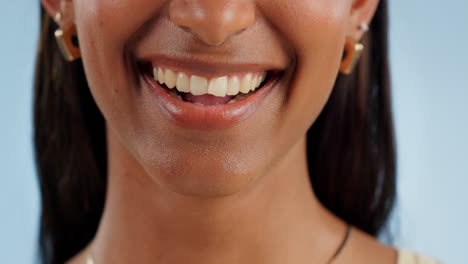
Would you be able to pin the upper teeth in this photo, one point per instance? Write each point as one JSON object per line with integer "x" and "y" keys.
{"x": 219, "y": 86}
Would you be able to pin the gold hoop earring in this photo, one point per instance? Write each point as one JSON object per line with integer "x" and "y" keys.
{"x": 67, "y": 40}
{"x": 353, "y": 51}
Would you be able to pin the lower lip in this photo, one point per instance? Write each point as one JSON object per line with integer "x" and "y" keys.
{"x": 193, "y": 116}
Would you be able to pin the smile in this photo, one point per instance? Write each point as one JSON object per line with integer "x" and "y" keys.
{"x": 198, "y": 101}
{"x": 193, "y": 86}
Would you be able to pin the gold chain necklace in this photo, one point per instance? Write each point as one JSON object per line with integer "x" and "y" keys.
{"x": 90, "y": 258}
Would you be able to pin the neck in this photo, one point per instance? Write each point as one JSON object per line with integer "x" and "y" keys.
{"x": 277, "y": 220}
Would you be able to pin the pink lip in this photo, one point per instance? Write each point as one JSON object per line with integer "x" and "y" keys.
{"x": 189, "y": 115}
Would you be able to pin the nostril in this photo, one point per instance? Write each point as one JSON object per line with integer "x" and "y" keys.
{"x": 213, "y": 21}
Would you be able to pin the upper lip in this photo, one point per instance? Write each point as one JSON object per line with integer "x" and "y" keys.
{"x": 207, "y": 67}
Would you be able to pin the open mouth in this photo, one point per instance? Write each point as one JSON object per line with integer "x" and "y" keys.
{"x": 214, "y": 91}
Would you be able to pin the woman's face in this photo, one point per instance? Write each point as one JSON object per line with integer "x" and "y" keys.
{"x": 185, "y": 143}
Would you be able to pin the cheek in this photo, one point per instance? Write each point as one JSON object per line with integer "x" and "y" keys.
{"x": 104, "y": 30}
{"x": 316, "y": 30}
{"x": 113, "y": 18}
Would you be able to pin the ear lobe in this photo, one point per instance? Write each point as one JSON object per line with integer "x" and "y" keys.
{"x": 64, "y": 7}
{"x": 361, "y": 11}
{"x": 52, "y": 7}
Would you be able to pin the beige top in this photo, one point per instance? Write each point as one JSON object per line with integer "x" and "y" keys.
{"x": 407, "y": 257}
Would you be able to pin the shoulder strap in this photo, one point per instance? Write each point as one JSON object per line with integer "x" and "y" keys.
{"x": 407, "y": 257}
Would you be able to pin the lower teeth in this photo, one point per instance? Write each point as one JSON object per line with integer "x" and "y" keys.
{"x": 239, "y": 97}
{"x": 174, "y": 93}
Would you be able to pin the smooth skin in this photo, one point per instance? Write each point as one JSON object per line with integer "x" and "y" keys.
{"x": 235, "y": 195}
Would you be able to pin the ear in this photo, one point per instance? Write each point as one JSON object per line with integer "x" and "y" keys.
{"x": 362, "y": 11}
{"x": 65, "y": 7}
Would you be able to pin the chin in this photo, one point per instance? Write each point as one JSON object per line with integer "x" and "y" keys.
{"x": 204, "y": 180}
{"x": 202, "y": 171}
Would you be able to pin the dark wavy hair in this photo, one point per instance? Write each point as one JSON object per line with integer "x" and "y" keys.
{"x": 351, "y": 148}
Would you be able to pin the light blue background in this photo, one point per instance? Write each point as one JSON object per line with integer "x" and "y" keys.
{"x": 429, "y": 48}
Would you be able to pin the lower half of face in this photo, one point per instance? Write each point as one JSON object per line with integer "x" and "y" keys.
{"x": 209, "y": 95}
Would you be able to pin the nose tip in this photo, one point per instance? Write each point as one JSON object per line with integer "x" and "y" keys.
{"x": 213, "y": 21}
